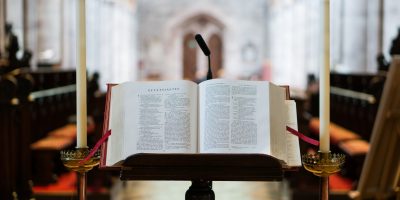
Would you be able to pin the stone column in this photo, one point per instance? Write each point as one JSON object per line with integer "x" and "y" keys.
{"x": 2, "y": 24}
{"x": 49, "y": 31}
{"x": 391, "y": 24}
{"x": 381, "y": 12}
{"x": 30, "y": 30}
{"x": 372, "y": 34}
{"x": 355, "y": 37}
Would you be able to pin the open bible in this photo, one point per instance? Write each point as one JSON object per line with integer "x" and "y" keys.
{"x": 216, "y": 116}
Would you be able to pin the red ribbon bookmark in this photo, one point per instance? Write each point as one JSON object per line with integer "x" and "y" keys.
{"x": 97, "y": 146}
{"x": 302, "y": 136}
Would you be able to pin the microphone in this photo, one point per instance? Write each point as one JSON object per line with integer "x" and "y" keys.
{"x": 206, "y": 52}
{"x": 202, "y": 44}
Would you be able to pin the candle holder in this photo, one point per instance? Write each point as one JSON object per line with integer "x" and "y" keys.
{"x": 72, "y": 160}
{"x": 323, "y": 165}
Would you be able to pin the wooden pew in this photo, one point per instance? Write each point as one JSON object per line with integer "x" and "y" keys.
{"x": 7, "y": 141}
{"x": 25, "y": 118}
{"x": 14, "y": 143}
{"x": 53, "y": 100}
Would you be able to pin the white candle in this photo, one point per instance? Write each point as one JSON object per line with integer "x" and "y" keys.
{"x": 81, "y": 137}
{"x": 324, "y": 85}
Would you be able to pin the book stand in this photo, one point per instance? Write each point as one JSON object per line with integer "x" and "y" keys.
{"x": 202, "y": 169}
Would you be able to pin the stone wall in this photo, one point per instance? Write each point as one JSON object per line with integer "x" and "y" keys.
{"x": 163, "y": 24}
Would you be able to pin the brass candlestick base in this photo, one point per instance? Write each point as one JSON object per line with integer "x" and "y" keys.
{"x": 72, "y": 160}
{"x": 323, "y": 165}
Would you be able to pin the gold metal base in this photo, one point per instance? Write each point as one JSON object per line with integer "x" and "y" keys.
{"x": 323, "y": 164}
{"x": 72, "y": 160}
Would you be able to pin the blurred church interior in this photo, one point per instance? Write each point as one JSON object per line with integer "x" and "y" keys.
{"x": 281, "y": 41}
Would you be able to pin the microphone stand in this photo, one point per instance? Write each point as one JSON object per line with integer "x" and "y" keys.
{"x": 206, "y": 51}
{"x": 209, "y": 73}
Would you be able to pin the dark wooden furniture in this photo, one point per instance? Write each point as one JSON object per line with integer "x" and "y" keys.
{"x": 202, "y": 169}
{"x": 32, "y": 105}
{"x": 218, "y": 167}
{"x": 28, "y": 112}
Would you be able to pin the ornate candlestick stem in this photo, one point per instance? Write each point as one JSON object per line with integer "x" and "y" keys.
{"x": 324, "y": 189}
{"x": 72, "y": 160}
{"x": 323, "y": 165}
{"x": 82, "y": 185}
{"x": 324, "y": 181}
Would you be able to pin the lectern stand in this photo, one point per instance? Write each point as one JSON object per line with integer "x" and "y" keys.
{"x": 202, "y": 169}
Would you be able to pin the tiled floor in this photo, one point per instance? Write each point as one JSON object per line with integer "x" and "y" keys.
{"x": 171, "y": 190}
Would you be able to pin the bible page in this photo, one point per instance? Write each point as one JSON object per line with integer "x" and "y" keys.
{"x": 292, "y": 146}
{"x": 278, "y": 121}
{"x": 116, "y": 115}
{"x": 160, "y": 117}
{"x": 233, "y": 116}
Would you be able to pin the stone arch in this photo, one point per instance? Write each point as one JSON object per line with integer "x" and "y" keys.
{"x": 206, "y": 21}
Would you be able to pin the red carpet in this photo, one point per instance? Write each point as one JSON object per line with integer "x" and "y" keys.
{"x": 66, "y": 184}
{"x": 339, "y": 183}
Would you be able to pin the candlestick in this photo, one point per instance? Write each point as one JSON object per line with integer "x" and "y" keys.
{"x": 323, "y": 164}
{"x": 324, "y": 84}
{"x": 72, "y": 160}
{"x": 80, "y": 160}
{"x": 81, "y": 140}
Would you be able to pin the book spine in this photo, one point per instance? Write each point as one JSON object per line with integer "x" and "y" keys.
{"x": 105, "y": 125}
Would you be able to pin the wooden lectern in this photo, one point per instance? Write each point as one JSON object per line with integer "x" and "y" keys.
{"x": 201, "y": 169}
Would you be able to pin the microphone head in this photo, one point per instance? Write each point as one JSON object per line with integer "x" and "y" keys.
{"x": 202, "y": 44}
